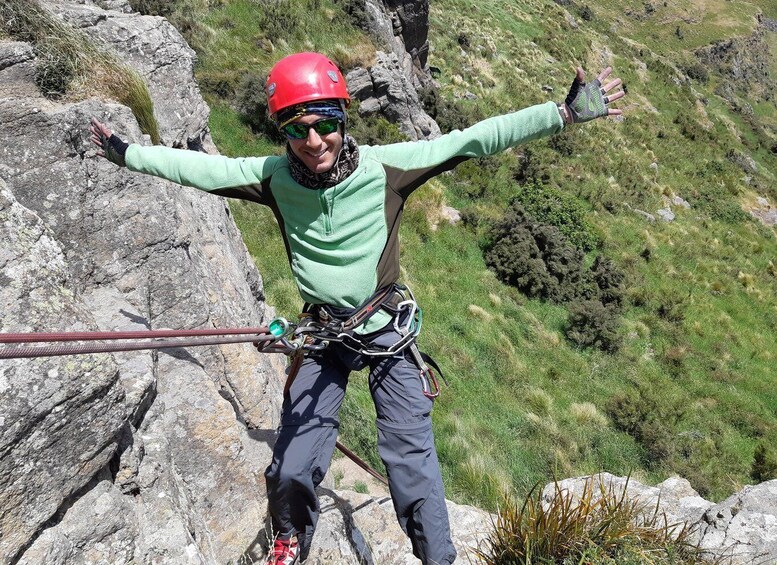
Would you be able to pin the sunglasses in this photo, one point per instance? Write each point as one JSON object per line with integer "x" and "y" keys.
{"x": 296, "y": 130}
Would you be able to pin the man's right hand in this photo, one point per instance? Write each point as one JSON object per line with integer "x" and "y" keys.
{"x": 111, "y": 146}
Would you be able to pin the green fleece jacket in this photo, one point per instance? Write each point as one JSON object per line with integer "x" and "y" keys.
{"x": 342, "y": 242}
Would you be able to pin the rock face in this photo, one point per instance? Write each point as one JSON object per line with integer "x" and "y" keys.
{"x": 390, "y": 86}
{"x": 743, "y": 528}
{"x": 143, "y": 457}
{"x": 385, "y": 89}
{"x": 137, "y": 457}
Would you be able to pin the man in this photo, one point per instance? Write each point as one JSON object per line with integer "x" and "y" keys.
{"x": 339, "y": 207}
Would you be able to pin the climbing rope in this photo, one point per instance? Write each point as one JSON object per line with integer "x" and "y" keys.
{"x": 127, "y": 341}
{"x": 278, "y": 337}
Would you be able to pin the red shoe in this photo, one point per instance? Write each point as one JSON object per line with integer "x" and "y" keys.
{"x": 284, "y": 552}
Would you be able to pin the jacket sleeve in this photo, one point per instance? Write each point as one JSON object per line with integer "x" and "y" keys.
{"x": 408, "y": 165}
{"x": 212, "y": 173}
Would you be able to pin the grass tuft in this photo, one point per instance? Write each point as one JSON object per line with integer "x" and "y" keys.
{"x": 70, "y": 65}
{"x": 599, "y": 526}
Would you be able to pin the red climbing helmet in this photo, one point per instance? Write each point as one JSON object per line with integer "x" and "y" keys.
{"x": 304, "y": 77}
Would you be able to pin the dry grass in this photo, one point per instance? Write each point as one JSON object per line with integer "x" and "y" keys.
{"x": 70, "y": 66}
{"x": 599, "y": 526}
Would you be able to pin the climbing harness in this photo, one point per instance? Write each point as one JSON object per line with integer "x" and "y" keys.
{"x": 325, "y": 324}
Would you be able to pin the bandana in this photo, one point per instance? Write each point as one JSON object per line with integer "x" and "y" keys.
{"x": 345, "y": 164}
{"x": 327, "y": 108}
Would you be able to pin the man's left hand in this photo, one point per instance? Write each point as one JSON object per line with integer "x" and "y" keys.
{"x": 588, "y": 101}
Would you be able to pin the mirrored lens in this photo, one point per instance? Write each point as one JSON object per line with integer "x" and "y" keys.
{"x": 296, "y": 130}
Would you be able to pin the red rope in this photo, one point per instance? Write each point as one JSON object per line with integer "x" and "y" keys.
{"x": 27, "y": 352}
{"x": 146, "y": 334}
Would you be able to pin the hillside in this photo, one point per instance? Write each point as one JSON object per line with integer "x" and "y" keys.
{"x": 688, "y": 384}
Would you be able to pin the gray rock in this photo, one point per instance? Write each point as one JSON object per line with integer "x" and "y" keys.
{"x": 743, "y": 528}
{"x": 186, "y": 433}
{"x": 451, "y": 215}
{"x": 647, "y": 215}
{"x": 155, "y": 49}
{"x": 402, "y": 28}
{"x": 371, "y": 534}
{"x": 666, "y": 214}
{"x": 678, "y": 201}
{"x": 389, "y": 92}
{"x": 100, "y": 527}
{"x": 390, "y": 87}
{"x": 14, "y": 52}
{"x": 740, "y": 530}
{"x": 60, "y": 419}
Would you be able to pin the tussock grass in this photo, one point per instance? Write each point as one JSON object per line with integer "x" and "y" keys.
{"x": 599, "y": 526}
{"x": 70, "y": 65}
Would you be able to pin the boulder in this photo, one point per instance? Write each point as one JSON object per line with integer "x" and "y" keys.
{"x": 673, "y": 498}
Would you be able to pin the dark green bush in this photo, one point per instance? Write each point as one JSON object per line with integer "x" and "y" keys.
{"x": 564, "y": 142}
{"x": 549, "y": 205}
{"x": 592, "y": 324}
{"x": 610, "y": 282}
{"x": 696, "y": 71}
{"x": 449, "y": 114}
{"x": 764, "y": 467}
{"x": 251, "y": 104}
{"x": 650, "y": 419}
{"x": 153, "y": 7}
{"x": 372, "y": 130}
{"x": 355, "y": 11}
{"x": 536, "y": 259}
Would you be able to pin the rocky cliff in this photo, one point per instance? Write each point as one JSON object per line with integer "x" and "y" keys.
{"x": 138, "y": 457}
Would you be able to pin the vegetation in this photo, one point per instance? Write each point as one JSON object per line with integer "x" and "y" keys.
{"x": 599, "y": 526}
{"x": 684, "y": 382}
{"x": 69, "y": 64}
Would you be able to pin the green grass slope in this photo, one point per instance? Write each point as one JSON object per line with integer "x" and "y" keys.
{"x": 691, "y": 390}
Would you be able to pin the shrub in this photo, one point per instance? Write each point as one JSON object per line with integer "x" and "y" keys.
{"x": 609, "y": 280}
{"x": 586, "y": 13}
{"x": 537, "y": 259}
{"x": 650, "y": 420}
{"x": 696, "y": 71}
{"x": 449, "y": 114}
{"x": 764, "y": 467}
{"x": 251, "y": 104}
{"x": 601, "y": 526}
{"x": 355, "y": 11}
{"x": 549, "y": 205}
{"x": 592, "y": 324}
{"x": 153, "y": 7}
{"x": 372, "y": 130}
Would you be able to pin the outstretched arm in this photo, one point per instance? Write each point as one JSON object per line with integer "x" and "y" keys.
{"x": 212, "y": 173}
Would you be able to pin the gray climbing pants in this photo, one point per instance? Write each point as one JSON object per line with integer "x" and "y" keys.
{"x": 306, "y": 441}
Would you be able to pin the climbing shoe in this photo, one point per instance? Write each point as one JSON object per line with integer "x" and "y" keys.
{"x": 283, "y": 552}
